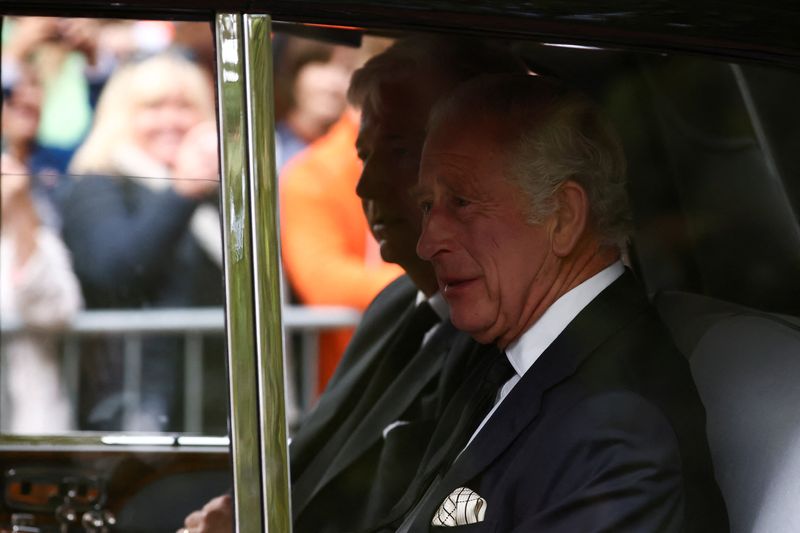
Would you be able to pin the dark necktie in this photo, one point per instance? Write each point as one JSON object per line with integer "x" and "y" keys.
{"x": 468, "y": 407}
{"x": 476, "y": 407}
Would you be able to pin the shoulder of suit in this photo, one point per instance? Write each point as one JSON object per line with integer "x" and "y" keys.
{"x": 400, "y": 292}
{"x": 615, "y": 427}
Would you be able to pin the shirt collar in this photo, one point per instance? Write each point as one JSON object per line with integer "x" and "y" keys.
{"x": 524, "y": 351}
{"x": 437, "y": 302}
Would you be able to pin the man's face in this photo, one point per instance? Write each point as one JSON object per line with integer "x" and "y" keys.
{"x": 492, "y": 266}
{"x": 389, "y": 144}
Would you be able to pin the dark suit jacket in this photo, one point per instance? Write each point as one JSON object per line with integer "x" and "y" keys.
{"x": 336, "y": 483}
{"x": 605, "y": 432}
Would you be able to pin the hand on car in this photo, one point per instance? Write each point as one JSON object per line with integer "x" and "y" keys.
{"x": 215, "y": 517}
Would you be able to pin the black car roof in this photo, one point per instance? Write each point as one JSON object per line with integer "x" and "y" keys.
{"x": 766, "y": 31}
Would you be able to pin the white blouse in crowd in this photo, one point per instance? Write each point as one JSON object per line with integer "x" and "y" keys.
{"x": 44, "y": 293}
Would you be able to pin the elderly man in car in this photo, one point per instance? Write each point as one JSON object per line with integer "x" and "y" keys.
{"x": 586, "y": 418}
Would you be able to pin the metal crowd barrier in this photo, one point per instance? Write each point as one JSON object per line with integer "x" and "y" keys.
{"x": 193, "y": 324}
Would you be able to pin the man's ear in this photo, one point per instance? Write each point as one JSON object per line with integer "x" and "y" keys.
{"x": 570, "y": 218}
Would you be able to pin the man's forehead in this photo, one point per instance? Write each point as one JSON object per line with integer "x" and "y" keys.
{"x": 453, "y": 133}
{"x": 456, "y": 152}
{"x": 402, "y": 99}
{"x": 460, "y": 181}
{"x": 447, "y": 170}
{"x": 394, "y": 124}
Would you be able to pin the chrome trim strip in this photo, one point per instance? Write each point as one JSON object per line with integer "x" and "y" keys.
{"x": 245, "y": 430}
{"x": 139, "y": 440}
{"x": 110, "y": 441}
{"x": 203, "y": 441}
{"x": 183, "y": 320}
{"x": 266, "y": 262}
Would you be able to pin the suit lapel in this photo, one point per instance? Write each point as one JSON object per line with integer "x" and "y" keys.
{"x": 307, "y": 483}
{"x": 478, "y": 360}
{"x": 397, "y": 398}
{"x": 369, "y": 342}
{"x": 603, "y": 317}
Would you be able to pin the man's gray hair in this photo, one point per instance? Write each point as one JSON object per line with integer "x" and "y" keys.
{"x": 432, "y": 64}
{"x": 551, "y": 134}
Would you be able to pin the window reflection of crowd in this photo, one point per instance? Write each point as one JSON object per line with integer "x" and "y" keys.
{"x": 142, "y": 222}
{"x": 129, "y": 183}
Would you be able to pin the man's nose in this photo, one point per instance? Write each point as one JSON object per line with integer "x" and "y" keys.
{"x": 434, "y": 236}
{"x": 368, "y": 185}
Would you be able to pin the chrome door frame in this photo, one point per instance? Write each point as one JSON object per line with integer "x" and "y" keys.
{"x": 252, "y": 272}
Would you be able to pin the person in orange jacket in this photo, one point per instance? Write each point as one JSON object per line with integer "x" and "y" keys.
{"x": 329, "y": 255}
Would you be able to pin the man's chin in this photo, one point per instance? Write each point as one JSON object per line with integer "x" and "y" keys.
{"x": 469, "y": 325}
{"x": 388, "y": 253}
{"x": 405, "y": 256}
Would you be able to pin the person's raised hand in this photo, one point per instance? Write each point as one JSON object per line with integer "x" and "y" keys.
{"x": 28, "y": 34}
{"x": 196, "y": 170}
{"x": 81, "y": 35}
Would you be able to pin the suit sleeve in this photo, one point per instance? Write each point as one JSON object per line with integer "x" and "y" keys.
{"x": 612, "y": 465}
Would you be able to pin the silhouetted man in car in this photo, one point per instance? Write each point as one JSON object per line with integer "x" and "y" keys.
{"x": 586, "y": 418}
{"x": 355, "y": 454}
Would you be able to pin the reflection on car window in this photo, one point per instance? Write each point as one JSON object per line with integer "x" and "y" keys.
{"x": 111, "y": 229}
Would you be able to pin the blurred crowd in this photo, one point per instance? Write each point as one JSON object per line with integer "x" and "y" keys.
{"x": 110, "y": 200}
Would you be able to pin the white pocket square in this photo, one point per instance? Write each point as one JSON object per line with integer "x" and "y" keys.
{"x": 463, "y": 506}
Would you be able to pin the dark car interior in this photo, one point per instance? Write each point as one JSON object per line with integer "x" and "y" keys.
{"x": 714, "y": 176}
{"x": 713, "y": 185}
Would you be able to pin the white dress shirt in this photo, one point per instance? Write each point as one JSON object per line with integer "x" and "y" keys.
{"x": 440, "y": 307}
{"x": 525, "y": 350}
{"x": 438, "y": 303}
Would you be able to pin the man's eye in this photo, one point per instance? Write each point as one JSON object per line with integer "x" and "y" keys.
{"x": 460, "y": 202}
{"x": 425, "y": 207}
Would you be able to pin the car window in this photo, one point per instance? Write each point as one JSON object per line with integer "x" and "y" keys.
{"x": 110, "y": 159}
{"x": 112, "y": 339}
{"x": 713, "y": 191}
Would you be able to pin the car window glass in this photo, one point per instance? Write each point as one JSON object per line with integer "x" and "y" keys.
{"x": 111, "y": 228}
{"x": 330, "y": 258}
{"x": 712, "y": 187}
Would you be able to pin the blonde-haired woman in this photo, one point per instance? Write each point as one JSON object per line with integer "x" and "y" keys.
{"x": 143, "y": 114}
{"x": 142, "y": 223}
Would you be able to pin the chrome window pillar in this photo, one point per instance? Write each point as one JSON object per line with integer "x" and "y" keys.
{"x": 252, "y": 273}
